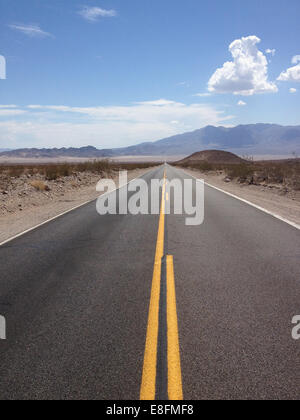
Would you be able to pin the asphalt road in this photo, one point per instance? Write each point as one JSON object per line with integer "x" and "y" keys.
{"x": 76, "y": 293}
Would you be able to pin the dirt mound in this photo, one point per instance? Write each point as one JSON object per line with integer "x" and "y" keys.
{"x": 214, "y": 157}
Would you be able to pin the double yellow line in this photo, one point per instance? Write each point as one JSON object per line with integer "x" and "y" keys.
{"x": 148, "y": 387}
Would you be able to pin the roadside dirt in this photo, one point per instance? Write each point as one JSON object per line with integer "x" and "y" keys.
{"x": 23, "y": 205}
{"x": 272, "y": 197}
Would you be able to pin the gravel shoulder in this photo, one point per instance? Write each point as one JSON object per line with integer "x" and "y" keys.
{"x": 22, "y": 206}
{"x": 270, "y": 197}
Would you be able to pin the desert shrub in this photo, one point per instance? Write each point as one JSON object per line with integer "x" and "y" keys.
{"x": 100, "y": 166}
{"x": 64, "y": 170}
{"x": 242, "y": 171}
{"x": 204, "y": 166}
{"x": 39, "y": 185}
{"x": 279, "y": 172}
{"x": 295, "y": 183}
{"x": 200, "y": 166}
{"x": 96, "y": 166}
{"x": 15, "y": 171}
{"x": 51, "y": 173}
{"x": 276, "y": 174}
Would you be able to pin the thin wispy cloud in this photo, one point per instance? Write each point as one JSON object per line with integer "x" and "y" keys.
{"x": 271, "y": 52}
{"x": 184, "y": 84}
{"x": 152, "y": 112}
{"x": 203, "y": 95}
{"x": 8, "y": 106}
{"x": 58, "y": 125}
{"x": 31, "y": 30}
{"x": 11, "y": 112}
{"x": 93, "y": 14}
{"x": 159, "y": 102}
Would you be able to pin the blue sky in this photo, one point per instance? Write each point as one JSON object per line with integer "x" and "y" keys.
{"x": 117, "y": 72}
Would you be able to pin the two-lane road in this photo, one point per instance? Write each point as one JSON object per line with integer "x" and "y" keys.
{"x": 76, "y": 295}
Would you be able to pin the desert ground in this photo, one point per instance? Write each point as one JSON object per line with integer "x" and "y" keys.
{"x": 28, "y": 199}
{"x": 273, "y": 185}
{"x": 4, "y": 160}
{"x": 32, "y": 193}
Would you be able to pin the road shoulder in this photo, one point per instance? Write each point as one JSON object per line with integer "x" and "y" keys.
{"x": 265, "y": 198}
{"x": 16, "y": 223}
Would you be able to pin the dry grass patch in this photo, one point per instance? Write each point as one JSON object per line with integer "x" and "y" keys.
{"x": 53, "y": 171}
{"x": 285, "y": 172}
{"x": 39, "y": 186}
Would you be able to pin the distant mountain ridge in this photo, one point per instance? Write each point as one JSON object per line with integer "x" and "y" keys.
{"x": 88, "y": 152}
{"x": 261, "y": 138}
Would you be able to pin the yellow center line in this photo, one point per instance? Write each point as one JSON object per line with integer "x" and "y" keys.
{"x": 148, "y": 387}
{"x": 174, "y": 366}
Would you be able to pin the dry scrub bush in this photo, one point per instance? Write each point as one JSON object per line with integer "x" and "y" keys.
{"x": 52, "y": 172}
{"x": 39, "y": 185}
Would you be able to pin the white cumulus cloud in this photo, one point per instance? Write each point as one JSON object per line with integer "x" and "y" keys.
{"x": 291, "y": 75}
{"x": 247, "y": 74}
{"x": 296, "y": 59}
{"x": 242, "y": 103}
{"x": 93, "y": 14}
{"x": 293, "y": 90}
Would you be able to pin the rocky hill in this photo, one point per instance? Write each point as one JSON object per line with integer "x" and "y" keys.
{"x": 214, "y": 157}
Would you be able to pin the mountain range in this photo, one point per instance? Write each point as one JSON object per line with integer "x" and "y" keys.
{"x": 243, "y": 139}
